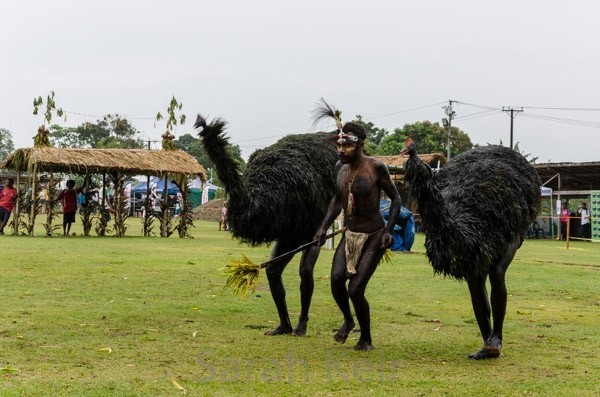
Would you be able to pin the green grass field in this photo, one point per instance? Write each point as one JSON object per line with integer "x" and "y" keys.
{"x": 138, "y": 316}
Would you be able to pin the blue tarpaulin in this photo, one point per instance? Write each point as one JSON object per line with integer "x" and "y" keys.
{"x": 404, "y": 230}
{"x": 160, "y": 186}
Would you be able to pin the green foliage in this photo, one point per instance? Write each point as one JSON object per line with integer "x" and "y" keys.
{"x": 51, "y": 214}
{"x": 173, "y": 119}
{"x": 532, "y": 159}
{"x": 50, "y": 107}
{"x": 113, "y": 131}
{"x": 193, "y": 146}
{"x": 374, "y": 134}
{"x": 7, "y": 145}
{"x": 429, "y": 137}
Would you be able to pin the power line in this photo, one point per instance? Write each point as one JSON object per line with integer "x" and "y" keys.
{"x": 406, "y": 110}
{"x": 570, "y": 109}
{"x": 584, "y": 123}
{"x": 483, "y": 113}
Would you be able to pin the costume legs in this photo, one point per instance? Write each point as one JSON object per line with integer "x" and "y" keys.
{"x": 485, "y": 308}
{"x": 307, "y": 286}
{"x": 274, "y": 272}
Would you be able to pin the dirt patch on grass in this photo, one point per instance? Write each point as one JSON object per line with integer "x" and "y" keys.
{"x": 209, "y": 211}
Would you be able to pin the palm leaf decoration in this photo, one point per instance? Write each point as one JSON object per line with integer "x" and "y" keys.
{"x": 242, "y": 275}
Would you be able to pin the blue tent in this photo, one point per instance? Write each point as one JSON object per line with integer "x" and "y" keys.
{"x": 160, "y": 186}
{"x": 404, "y": 230}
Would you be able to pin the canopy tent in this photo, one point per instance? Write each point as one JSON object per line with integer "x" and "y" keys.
{"x": 159, "y": 183}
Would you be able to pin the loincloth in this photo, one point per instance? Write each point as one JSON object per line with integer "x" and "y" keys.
{"x": 355, "y": 243}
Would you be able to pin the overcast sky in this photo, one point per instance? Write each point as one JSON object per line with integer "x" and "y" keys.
{"x": 263, "y": 64}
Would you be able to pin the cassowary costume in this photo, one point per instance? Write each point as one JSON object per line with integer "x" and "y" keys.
{"x": 475, "y": 212}
{"x": 281, "y": 197}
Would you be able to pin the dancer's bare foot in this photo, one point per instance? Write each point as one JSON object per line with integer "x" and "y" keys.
{"x": 363, "y": 345}
{"x": 300, "y": 329}
{"x": 491, "y": 349}
{"x": 342, "y": 334}
{"x": 280, "y": 330}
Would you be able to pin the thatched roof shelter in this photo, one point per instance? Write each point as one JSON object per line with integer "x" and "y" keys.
{"x": 396, "y": 163}
{"x": 90, "y": 161}
{"x": 118, "y": 163}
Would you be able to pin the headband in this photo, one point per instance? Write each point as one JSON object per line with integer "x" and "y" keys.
{"x": 343, "y": 138}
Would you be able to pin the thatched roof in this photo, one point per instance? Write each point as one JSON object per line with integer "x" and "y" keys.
{"x": 396, "y": 163}
{"x": 90, "y": 161}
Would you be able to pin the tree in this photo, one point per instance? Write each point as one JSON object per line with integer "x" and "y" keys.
{"x": 531, "y": 158}
{"x": 7, "y": 145}
{"x": 430, "y": 138}
{"x": 193, "y": 146}
{"x": 112, "y": 131}
{"x": 374, "y": 134}
{"x": 121, "y": 134}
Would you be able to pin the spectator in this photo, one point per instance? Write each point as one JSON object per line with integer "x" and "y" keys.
{"x": 42, "y": 199}
{"x": 584, "y": 213}
{"x": 565, "y": 213}
{"x": 8, "y": 196}
{"x": 68, "y": 200}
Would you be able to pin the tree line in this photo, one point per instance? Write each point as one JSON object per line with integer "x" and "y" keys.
{"x": 115, "y": 131}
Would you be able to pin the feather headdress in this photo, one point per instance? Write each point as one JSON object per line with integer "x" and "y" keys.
{"x": 324, "y": 111}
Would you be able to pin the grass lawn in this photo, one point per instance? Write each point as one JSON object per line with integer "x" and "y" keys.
{"x": 138, "y": 316}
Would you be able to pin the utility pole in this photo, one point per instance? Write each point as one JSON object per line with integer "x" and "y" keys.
{"x": 513, "y": 113}
{"x": 447, "y": 122}
{"x": 149, "y": 142}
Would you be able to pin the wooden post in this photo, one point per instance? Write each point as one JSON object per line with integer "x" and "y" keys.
{"x": 147, "y": 208}
{"x": 165, "y": 215}
{"x": 32, "y": 201}
{"x": 568, "y": 230}
{"x": 15, "y": 222}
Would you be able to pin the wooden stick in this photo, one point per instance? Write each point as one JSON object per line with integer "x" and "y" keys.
{"x": 300, "y": 248}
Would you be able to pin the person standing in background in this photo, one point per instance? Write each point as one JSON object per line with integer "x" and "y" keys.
{"x": 565, "y": 213}
{"x": 68, "y": 200}
{"x": 584, "y": 213}
{"x": 8, "y": 197}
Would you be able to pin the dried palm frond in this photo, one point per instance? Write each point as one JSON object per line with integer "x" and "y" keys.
{"x": 387, "y": 256}
{"x": 42, "y": 138}
{"x": 243, "y": 275}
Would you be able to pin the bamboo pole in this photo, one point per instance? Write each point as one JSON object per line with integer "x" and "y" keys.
{"x": 15, "y": 222}
{"x": 165, "y": 214}
{"x": 32, "y": 201}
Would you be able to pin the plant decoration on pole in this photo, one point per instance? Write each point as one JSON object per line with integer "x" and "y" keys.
{"x": 167, "y": 144}
{"x": 148, "y": 218}
{"x": 165, "y": 219}
{"x": 51, "y": 215}
{"x": 104, "y": 209}
{"x": 185, "y": 217}
{"x": 119, "y": 207}
{"x": 89, "y": 206}
{"x": 28, "y": 202}
{"x": 42, "y": 137}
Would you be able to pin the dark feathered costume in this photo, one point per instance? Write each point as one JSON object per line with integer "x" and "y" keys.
{"x": 281, "y": 197}
{"x": 475, "y": 212}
